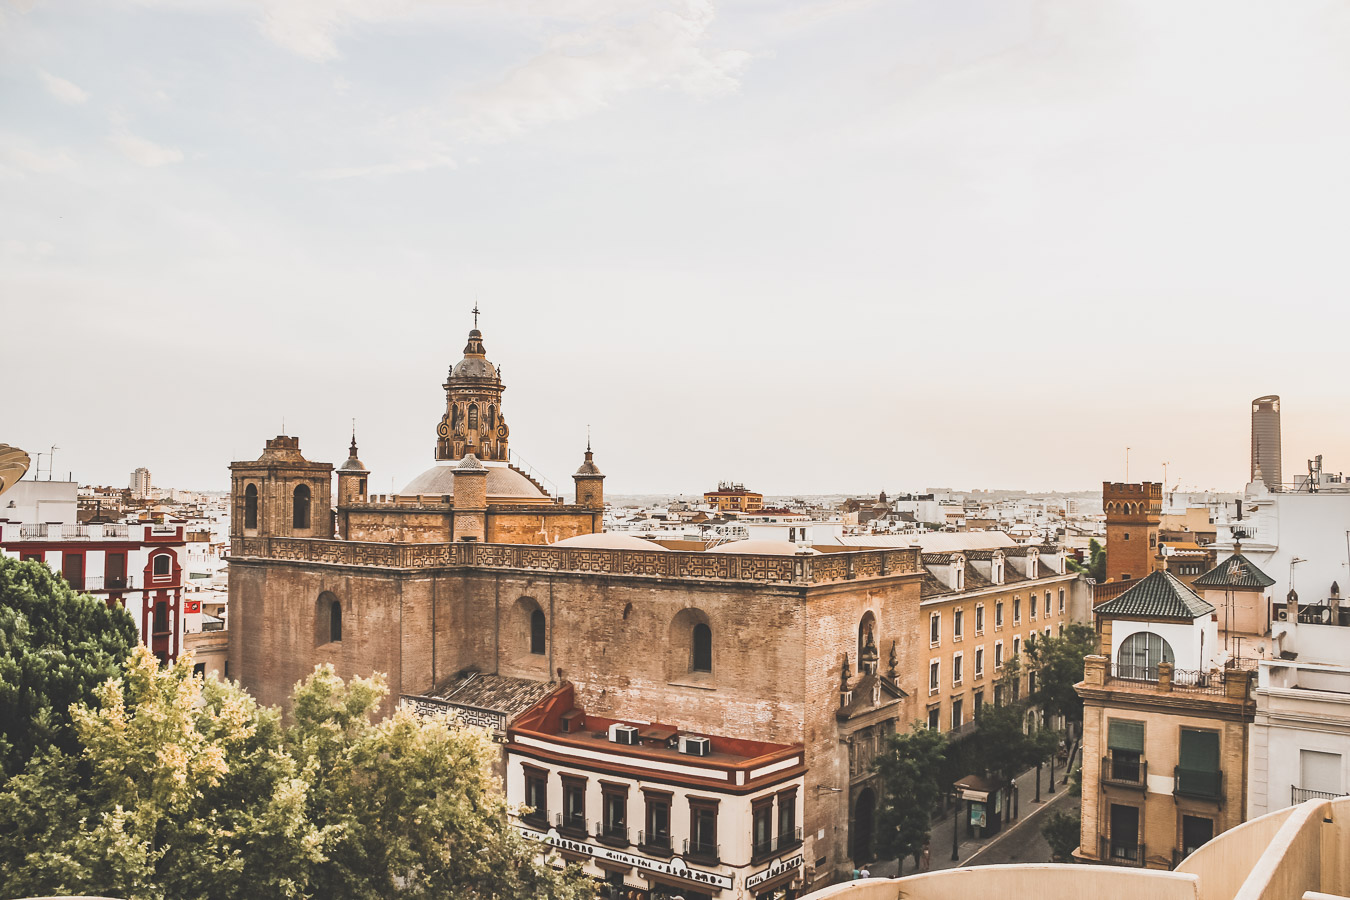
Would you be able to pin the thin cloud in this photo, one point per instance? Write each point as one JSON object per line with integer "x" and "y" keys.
{"x": 63, "y": 90}
{"x": 402, "y": 167}
{"x": 583, "y": 71}
{"x": 145, "y": 152}
{"x": 32, "y": 159}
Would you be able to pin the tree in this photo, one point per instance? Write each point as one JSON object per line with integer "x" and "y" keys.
{"x": 187, "y": 788}
{"x": 910, "y": 790}
{"x": 1058, "y": 664}
{"x": 56, "y": 648}
{"x": 1062, "y": 832}
{"x": 1096, "y": 561}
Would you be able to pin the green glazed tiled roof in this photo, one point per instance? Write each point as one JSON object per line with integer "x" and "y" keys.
{"x": 1237, "y": 571}
{"x": 1159, "y": 595}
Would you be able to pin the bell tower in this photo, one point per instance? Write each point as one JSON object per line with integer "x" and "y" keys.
{"x": 1133, "y": 514}
{"x": 473, "y": 422}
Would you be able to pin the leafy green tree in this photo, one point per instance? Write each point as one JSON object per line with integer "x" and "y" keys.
{"x": 56, "y": 648}
{"x": 910, "y": 790}
{"x": 1058, "y": 664}
{"x": 184, "y": 788}
{"x": 1062, "y": 832}
{"x": 1096, "y": 561}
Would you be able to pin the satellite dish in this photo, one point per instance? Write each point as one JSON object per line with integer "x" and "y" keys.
{"x": 13, "y": 465}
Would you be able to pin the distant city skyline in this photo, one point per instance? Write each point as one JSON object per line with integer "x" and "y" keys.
{"x": 829, "y": 246}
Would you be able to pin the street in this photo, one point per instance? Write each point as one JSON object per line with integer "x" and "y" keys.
{"x": 1019, "y": 842}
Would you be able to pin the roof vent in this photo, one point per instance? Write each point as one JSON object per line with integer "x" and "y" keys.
{"x": 572, "y": 721}
{"x": 623, "y": 734}
{"x": 695, "y": 746}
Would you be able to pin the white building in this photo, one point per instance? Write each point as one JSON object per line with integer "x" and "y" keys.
{"x": 1298, "y": 539}
{"x": 137, "y": 565}
{"x": 1300, "y": 748}
{"x": 655, "y": 812}
{"x": 140, "y": 483}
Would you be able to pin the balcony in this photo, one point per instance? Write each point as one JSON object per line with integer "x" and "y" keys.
{"x": 1198, "y": 783}
{"x": 655, "y": 844}
{"x": 1298, "y": 795}
{"x": 536, "y": 819}
{"x": 1126, "y": 771}
{"x": 1122, "y": 853}
{"x": 572, "y": 826}
{"x": 702, "y": 852}
{"x": 614, "y": 834}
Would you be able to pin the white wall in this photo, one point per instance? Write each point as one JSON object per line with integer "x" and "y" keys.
{"x": 39, "y": 502}
{"x": 1186, "y": 640}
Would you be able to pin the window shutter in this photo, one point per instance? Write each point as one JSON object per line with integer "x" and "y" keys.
{"x": 1199, "y": 751}
{"x": 1127, "y": 736}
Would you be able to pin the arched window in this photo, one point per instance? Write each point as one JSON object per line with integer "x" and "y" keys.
{"x": 866, "y": 634}
{"x": 327, "y": 619}
{"x": 163, "y": 565}
{"x": 473, "y": 416}
{"x": 1140, "y": 654}
{"x": 492, "y": 417}
{"x": 251, "y": 506}
{"x": 300, "y": 507}
{"x": 538, "y": 632}
{"x": 700, "y": 659}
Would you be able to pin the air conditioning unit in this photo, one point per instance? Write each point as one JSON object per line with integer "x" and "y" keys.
{"x": 695, "y": 746}
{"x": 623, "y": 734}
{"x": 1281, "y": 614}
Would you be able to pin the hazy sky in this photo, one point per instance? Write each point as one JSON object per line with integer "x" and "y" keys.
{"x": 826, "y": 245}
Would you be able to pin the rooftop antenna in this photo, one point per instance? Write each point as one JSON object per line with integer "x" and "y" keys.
{"x": 1127, "y": 465}
{"x": 50, "y": 458}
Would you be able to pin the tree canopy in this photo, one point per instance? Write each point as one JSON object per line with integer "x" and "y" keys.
{"x": 910, "y": 789}
{"x": 186, "y": 788}
{"x": 1058, "y": 664}
{"x": 56, "y": 648}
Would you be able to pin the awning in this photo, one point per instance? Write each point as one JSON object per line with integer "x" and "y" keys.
{"x": 1127, "y": 736}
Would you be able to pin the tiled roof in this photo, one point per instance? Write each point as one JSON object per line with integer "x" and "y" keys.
{"x": 496, "y": 692}
{"x": 1160, "y": 595}
{"x": 1237, "y": 571}
{"x": 939, "y": 559}
{"x": 930, "y": 586}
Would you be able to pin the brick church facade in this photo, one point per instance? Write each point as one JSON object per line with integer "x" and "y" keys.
{"x": 474, "y": 567}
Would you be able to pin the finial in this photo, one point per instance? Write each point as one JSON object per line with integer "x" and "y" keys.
{"x": 475, "y": 315}
{"x": 353, "y": 449}
{"x": 588, "y": 438}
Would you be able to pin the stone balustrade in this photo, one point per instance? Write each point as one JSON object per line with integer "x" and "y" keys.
{"x": 797, "y": 570}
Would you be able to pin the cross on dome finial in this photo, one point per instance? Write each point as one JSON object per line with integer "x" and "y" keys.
{"x": 475, "y": 314}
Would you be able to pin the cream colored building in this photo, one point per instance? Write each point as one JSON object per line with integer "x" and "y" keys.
{"x": 1165, "y": 740}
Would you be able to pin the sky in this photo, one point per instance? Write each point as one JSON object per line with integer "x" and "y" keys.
{"x": 809, "y": 245}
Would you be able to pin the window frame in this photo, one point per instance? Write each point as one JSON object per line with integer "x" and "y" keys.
{"x": 535, "y": 776}
{"x": 958, "y": 668}
{"x": 979, "y": 619}
{"x": 652, "y": 801}
{"x": 958, "y": 624}
{"x": 612, "y": 832}
{"x": 571, "y": 782}
{"x": 934, "y": 676}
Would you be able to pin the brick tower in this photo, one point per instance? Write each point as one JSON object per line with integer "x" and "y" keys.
{"x": 473, "y": 422}
{"x": 1133, "y": 512}
{"x": 281, "y": 494}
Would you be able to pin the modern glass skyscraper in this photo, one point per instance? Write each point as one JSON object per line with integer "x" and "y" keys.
{"x": 1266, "y": 440}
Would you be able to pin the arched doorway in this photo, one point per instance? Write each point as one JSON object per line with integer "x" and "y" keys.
{"x": 863, "y": 825}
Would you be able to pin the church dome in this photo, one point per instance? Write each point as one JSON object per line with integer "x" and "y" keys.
{"x": 503, "y": 482}
{"x": 474, "y": 364}
{"x": 609, "y": 540}
{"x": 473, "y": 367}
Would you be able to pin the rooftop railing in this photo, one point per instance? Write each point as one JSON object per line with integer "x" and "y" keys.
{"x": 1298, "y": 795}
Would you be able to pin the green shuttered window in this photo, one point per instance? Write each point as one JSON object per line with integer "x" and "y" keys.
{"x": 1199, "y": 750}
{"x": 1127, "y": 736}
